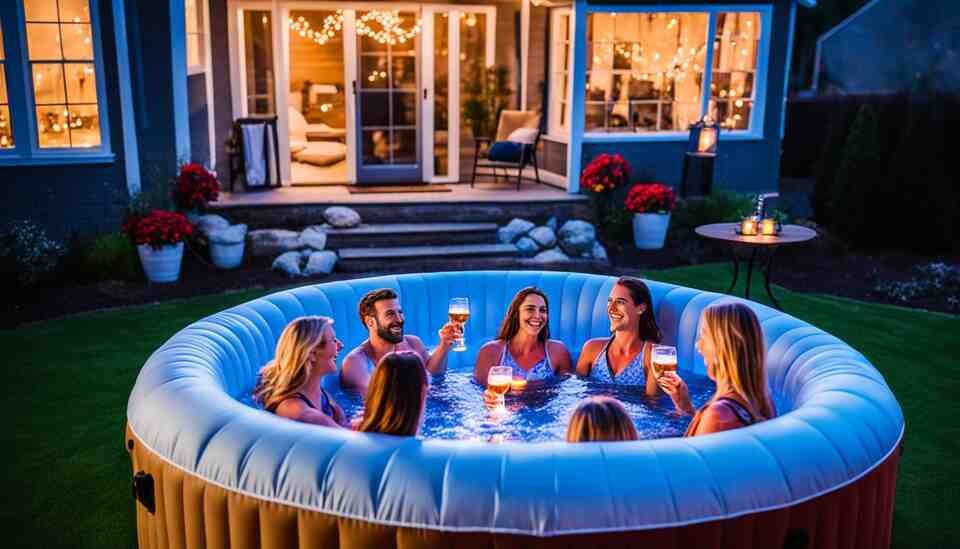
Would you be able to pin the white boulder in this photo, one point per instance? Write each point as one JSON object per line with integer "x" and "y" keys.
{"x": 527, "y": 247}
{"x": 577, "y": 237}
{"x": 288, "y": 263}
{"x": 599, "y": 252}
{"x": 517, "y": 227}
{"x": 320, "y": 263}
{"x": 554, "y": 255}
{"x": 314, "y": 238}
{"x": 267, "y": 242}
{"x": 544, "y": 236}
{"x": 341, "y": 217}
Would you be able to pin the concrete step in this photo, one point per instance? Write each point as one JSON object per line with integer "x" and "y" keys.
{"x": 411, "y": 234}
{"x": 414, "y": 257}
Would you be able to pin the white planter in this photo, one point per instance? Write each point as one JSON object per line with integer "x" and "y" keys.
{"x": 161, "y": 265}
{"x": 650, "y": 230}
{"x": 226, "y": 256}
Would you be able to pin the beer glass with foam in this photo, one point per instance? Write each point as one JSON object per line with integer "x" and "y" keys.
{"x": 664, "y": 359}
{"x": 459, "y": 312}
{"x": 498, "y": 381}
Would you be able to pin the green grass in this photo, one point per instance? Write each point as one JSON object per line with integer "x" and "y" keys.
{"x": 67, "y": 383}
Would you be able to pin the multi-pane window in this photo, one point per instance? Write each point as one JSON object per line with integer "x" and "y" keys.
{"x": 735, "y": 52}
{"x": 644, "y": 70}
{"x": 6, "y": 125}
{"x": 559, "y": 71}
{"x": 62, "y": 66}
{"x": 196, "y": 36}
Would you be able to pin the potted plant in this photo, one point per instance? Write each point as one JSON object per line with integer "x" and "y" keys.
{"x": 194, "y": 187}
{"x": 159, "y": 237}
{"x": 603, "y": 179}
{"x": 651, "y": 205}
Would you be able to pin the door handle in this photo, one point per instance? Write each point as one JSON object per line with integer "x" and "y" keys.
{"x": 424, "y": 94}
{"x": 354, "y": 82}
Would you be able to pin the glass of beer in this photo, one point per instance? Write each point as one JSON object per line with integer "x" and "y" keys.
{"x": 664, "y": 359}
{"x": 498, "y": 381}
{"x": 459, "y": 312}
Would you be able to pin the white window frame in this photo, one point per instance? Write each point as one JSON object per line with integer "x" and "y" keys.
{"x": 556, "y": 132}
{"x": 22, "y": 101}
{"x": 757, "y": 114}
{"x": 205, "y": 69}
{"x": 203, "y": 25}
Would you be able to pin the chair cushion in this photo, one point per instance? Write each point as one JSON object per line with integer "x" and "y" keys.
{"x": 511, "y": 120}
{"x": 506, "y": 151}
{"x": 524, "y": 135}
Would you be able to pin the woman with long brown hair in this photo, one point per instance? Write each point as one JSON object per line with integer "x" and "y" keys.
{"x": 289, "y": 385}
{"x": 524, "y": 343}
{"x": 624, "y": 358}
{"x": 396, "y": 396}
{"x": 600, "y": 419}
{"x": 731, "y": 342}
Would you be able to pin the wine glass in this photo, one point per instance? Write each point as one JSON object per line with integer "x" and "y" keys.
{"x": 664, "y": 359}
{"x": 498, "y": 381}
{"x": 459, "y": 312}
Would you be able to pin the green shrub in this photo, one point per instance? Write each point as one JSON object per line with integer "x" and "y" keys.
{"x": 110, "y": 257}
{"x": 27, "y": 255}
{"x": 689, "y": 213}
{"x": 859, "y": 174}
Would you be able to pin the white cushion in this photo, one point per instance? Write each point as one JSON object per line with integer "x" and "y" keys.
{"x": 523, "y": 135}
{"x": 297, "y": 125}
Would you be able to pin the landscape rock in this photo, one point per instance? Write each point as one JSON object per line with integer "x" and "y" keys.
{"x": 552, "y": 223}
{"x": 234, "y": 234}
{"x": 599, "y": 252}
{"x": 527, "y": 247}
{"x": 553, "y": 255}
{"x": 544, "y": 236}
{"x": 207, "y": 223}
{"x": 288, "y": 263}
{"x": 577, "y": 237}
{"x": 314, "y": 238}
{"x": 320, "y": 263}
{"x": 517, "y": 227}
{"x": 267, "y": 242}
{"x": 341, "y": 217}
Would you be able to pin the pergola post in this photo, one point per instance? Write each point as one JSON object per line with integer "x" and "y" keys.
{"x": 524, "y": 51}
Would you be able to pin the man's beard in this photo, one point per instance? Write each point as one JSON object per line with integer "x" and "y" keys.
{"x": 385, "y": 333}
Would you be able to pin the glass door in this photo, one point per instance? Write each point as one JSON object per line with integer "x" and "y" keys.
{"x": 387, "y": 92}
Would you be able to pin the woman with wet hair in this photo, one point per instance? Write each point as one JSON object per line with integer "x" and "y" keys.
{"x": 731, "y": 342}
{"x": 524, "y": 343}
{"x": 600, "y": 419}
{"x": 624, "y": 358}
{"x": 396, "y": 396}
{"x": 289, "y": 385}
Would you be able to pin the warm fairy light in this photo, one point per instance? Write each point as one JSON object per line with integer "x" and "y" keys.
{"x": 329, "y": 28}
{"x": 391, "y": 32}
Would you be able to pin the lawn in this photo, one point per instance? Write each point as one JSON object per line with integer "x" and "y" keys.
{"x": 68, "y": 476}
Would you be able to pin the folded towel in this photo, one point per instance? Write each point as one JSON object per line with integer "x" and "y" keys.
{"x": 254, "y": 155}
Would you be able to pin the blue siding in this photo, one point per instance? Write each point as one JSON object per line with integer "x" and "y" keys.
{"x": 68, "y": 199}
{"x": 199, "y": 125}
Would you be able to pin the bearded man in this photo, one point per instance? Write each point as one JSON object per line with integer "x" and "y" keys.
{"x": 381, "y": 313}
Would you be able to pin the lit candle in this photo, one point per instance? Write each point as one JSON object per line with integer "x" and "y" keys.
{"x": 708, "y": 136}
{"x": 768, "y": 227}
{"x": 748, "y": 227}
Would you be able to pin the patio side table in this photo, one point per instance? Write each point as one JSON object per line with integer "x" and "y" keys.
{"x": 762, "y": 246}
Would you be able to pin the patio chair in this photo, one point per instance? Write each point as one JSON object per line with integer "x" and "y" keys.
{"x": 250, "y": 151}
{"x": 509, "y": 122}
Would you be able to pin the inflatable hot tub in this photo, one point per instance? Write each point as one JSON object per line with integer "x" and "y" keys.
{"x": 212, "y": 471}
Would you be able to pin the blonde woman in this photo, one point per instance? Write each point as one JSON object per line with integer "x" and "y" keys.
{"x": 731, "y": 342}
{"x": 396, "y": 396}
{"x": 600, "y": 419}
{"x": 289, "y": 385}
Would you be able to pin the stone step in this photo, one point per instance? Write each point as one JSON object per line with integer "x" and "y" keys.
{"x": 365, "y": 259}
{"x": 411, "y": 234}
{"x": 429, "y": 264}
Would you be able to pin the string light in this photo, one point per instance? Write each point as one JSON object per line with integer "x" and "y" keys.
{"x": 332, "y": 24}
{"x": 391, "y": 32}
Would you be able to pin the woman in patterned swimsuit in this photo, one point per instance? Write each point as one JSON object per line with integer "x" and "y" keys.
{"x": 524, "y": 343}
{"x": 624, "y": 357}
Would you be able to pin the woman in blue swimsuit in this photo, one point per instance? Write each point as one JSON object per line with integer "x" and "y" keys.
{"x": 289, "y": 385}
{"x": 624, "y": 357}
{"x": 524, "y": 343}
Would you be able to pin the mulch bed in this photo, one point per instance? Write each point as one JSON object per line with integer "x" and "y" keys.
{"x": 809, "y": 268}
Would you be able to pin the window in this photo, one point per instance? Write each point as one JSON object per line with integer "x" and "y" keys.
{"x": 61, "y": 62}
{"x": 646, "y": 72}
{"x": 6, "y": 125}
{"x": 735, "y": 51}
{"x": 196, "y": 26}
{"x": 559, "y": 71}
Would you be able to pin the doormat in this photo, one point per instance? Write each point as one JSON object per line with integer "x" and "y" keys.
{"x": 366, "y": 189}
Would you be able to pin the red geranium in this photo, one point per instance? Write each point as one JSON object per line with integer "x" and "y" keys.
{"x": 158, "y": 228}
{"x": 605, "y": 172}
{"x": 650, "y": 198}
{"x": 194, "y": 187}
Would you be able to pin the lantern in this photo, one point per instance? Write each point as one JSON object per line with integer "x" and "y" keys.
{"x": 704, "y": 135}
{"x": 697, "y": 177}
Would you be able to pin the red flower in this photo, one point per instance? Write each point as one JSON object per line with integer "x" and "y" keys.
{"x": 650, "y": 198}
{"x": 158, "y": 228}
{"x": 194, "y": 187}
{"x": 605, "y": 172}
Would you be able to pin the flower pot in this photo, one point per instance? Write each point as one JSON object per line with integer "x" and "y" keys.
{"x": 161, "y": 265}
{"x": 226, "y": 256}
{"x": 650, "y": 230}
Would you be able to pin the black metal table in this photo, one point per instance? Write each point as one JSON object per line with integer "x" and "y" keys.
{"x": 761, "y": 246}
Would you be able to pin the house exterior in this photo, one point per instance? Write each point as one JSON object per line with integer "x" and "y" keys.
{"x": 102, "y": 97}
